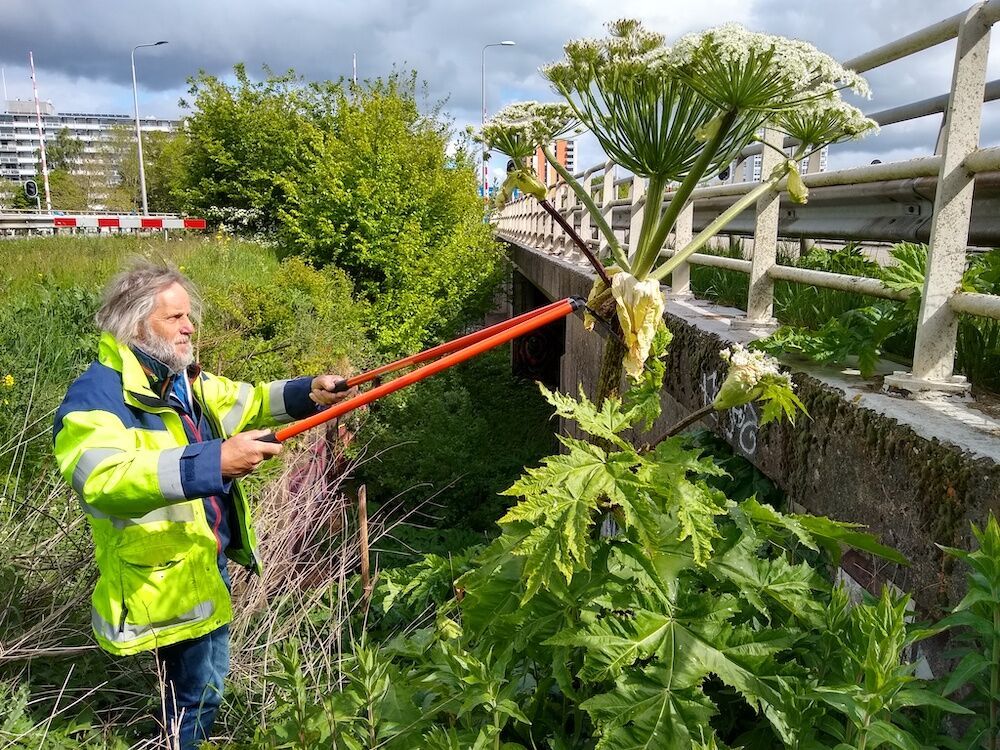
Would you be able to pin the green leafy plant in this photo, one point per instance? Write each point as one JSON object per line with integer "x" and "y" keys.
{"x": 976, "y": 620}
{"x": 869, "y": 330}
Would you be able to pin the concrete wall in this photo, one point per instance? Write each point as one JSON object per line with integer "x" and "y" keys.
{"x": 917, "y": 473}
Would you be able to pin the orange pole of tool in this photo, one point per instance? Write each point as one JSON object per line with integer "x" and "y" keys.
{"x": 537, "y": 319}
{"x": 449, "y": 346}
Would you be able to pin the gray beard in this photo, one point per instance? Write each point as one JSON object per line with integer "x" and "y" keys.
{"x": 164, "y": 351}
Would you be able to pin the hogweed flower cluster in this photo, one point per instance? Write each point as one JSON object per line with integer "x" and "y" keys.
{"x": 518, "y": 129}
{"x": 740, "y": 69}
{"x": 824, "y": 121}
{"x": 677, "y": 113}
{"x": 749, "y": 372}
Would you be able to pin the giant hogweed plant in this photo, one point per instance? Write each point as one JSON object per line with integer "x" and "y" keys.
{"x": 699, "y": 609}
{"x": 704, "y": 623}
{"x": 674, "y": 114}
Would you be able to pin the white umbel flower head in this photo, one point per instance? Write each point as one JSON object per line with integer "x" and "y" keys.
{"x": 748, "y": 372}
{"x": 826, "y": 120}
{"x": 640, "y": 311}
{"x": 518, "y": 129}
{"x": 739, "y": 69}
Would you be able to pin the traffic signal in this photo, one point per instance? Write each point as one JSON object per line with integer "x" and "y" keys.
{"x": 31, "y": 188}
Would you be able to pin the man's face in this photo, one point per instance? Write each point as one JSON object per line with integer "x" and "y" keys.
{"x": 170, "y": 322}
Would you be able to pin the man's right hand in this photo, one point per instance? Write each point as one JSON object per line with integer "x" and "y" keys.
{"x": 242, "y": 453}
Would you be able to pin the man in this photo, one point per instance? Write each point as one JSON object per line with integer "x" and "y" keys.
{"x": 155, "y": 449}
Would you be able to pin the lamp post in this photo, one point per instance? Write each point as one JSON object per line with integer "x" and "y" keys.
{"x": 138, "y": 127}
{"x": 506, "y": 43}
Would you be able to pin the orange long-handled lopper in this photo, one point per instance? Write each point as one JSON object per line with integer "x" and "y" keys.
{"x": 445, "y": 355}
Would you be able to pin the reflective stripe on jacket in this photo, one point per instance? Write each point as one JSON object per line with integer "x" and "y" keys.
{"x": 141, "y": 485}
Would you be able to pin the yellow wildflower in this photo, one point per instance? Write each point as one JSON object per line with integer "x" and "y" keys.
{"x": 8, "y": 381}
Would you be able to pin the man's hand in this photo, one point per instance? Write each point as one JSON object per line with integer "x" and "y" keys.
{"x": 323, "y": 390}
{"x": 242, "y": 453}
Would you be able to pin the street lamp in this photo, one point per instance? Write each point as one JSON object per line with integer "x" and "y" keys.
{"x": 507, "y": 43}
{"x": 138, "y": 128}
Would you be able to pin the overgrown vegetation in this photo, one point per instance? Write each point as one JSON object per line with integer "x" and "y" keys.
{"x": 703, "y": 622}
{"x": 828, "y": 326}
{"x": 357, "y": 176}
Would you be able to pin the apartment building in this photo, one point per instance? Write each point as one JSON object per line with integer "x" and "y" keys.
{"x": 19, "y": 135}
{"x": 565, "y": 153}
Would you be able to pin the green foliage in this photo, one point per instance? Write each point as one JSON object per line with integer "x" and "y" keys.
{"x": 355, "y": 176}
{"x": 458, "y": 438}
{"x": 860, "y": 332}
{"x": 22, "y": 729}
{"x": 296, "y": 314}
{"x": 828, "y": 326}
{"x": 976, "y": 619}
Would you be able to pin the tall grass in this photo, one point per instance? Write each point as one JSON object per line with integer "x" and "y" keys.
{"x": 49, "y": 291}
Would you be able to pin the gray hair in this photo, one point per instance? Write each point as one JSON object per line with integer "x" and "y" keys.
{"x": 130, "y": 297}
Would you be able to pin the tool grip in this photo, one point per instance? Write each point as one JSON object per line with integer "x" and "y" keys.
{"x": 268, "y": 438}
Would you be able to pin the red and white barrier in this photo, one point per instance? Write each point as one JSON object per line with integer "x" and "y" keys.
{"x": 125, "y": 221}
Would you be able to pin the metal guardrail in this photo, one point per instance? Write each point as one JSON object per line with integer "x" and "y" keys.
{"x": 943, "y": 183}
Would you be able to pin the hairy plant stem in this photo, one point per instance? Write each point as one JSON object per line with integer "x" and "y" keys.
{"x": 673, "y": 210}
{"x": 610, "y": 380}
{"x": 595, "y": 212}
{"x": 650, "y": 215}
{"x": 716, "y": 226}
{"x": 584, "y": 248}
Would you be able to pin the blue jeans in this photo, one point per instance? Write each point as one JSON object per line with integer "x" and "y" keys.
{"x": 195, "y": 673}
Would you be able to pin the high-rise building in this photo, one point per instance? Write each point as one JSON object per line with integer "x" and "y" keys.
{"x": 19, "y": 136}
{"x": 565, "y": 153}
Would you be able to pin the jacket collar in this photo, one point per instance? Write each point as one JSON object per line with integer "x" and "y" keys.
{"x": 137, "y": 375}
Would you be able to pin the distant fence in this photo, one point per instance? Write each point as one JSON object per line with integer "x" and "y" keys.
{"x": 927, "y": 199}
{"x": 34, "y": 221}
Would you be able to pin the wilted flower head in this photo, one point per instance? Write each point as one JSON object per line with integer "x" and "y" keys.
{"x": 640, "y": 311}
{"x": 739, "y": 69}
{"x": 518, "y": 129}
{"x": 749, "y": 372}
{"x": 826, "y": 120}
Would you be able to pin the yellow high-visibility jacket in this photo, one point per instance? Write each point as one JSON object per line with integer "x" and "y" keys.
{"x": 141, "y": 484}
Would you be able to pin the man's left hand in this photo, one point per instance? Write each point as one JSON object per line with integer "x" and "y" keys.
{"x": 323, "y": 390}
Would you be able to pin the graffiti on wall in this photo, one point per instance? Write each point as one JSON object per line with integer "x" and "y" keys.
{"x": 741, "y": 425}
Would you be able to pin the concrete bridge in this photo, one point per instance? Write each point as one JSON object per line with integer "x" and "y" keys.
{"x": 911, "y": 455}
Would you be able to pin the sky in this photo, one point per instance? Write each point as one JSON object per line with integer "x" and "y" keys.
{"x": 81, "y": 49}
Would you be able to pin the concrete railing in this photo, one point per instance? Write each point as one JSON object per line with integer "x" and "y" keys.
{"x": 951, "y": 174}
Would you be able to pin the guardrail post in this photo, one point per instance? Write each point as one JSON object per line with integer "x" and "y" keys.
{"x": 937, "y": 324}
{"x": 585, "y": 224}
{"x": 607, "y": 196}
{"x": 551, "y": 228}
{"x": 760, "y": 301}
{"x": 636, "y": 214}
{"x": 680, "y": 277}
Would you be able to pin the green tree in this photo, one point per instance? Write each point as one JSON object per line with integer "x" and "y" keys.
{"x": 387, "y": 203}
{"x": 357, "y": 176}
{"x": 245, "y": 141}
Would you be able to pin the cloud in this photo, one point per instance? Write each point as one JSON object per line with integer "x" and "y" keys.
{"x": 82, "y": 50}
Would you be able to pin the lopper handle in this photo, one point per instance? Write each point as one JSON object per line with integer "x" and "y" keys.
{"x": 539, "y": 318}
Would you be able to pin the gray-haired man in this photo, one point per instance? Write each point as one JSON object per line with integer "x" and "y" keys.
{"x": 155, "y": 447}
